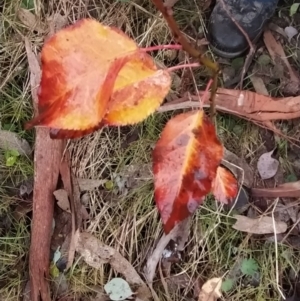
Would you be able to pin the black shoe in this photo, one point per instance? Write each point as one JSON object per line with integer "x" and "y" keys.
{"x": 225, "y": 38}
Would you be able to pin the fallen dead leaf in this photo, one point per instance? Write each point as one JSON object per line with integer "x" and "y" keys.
{"x": 287, "y": 211}
{"x": 276, "y": 51}
{"x": 30, "y": 20}
{"x": 62, "y": 199}
{"x": 22, "y": 208}
{"x": 183, "y": 281}
{"x": 96, "y": 253}
{"x": 56, "y": 22}
{"x": 290, "y": 31}
{"x": 60, "y": 285}
{"x": 286, "y": 190}
{"x": 210, "y": 290}
{"x": 89, "y": 184}
{"x": 11, "y": 141}
{"x": 85, "y": 215}
{"x": 153, "y": 259}
{"x": 239, "y": 167}
{"x": 26, "y": 187}
{"x": 261, "y": 225}
{"x": 101, "y": 297}
{"x": 26, "y": 292}
{"x": 259, "y": 85}
{"x": 276, "y": 28}
{"x": 267, "y": 166}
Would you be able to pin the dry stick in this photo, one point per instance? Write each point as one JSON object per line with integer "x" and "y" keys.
{"x": 161, "y": 47}
{"x": 171, "y": 69}
{"x": 239, "y": 79}
{"x": 191, "y": 50}
{"x": 276, "y": 252}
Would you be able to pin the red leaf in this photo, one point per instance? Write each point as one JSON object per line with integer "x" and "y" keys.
{"x": 60, "y": 115}
{"x": 224, "y": 186}
{"x": 94, "y": 75}
{"x": 185, "y": 161}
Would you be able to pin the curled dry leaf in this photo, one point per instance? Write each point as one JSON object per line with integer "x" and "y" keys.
{"x": 261, "y": 225}
{"x": 185, "y": 162}
{"x": 30, "y": 20}
{"x": 224, "y": 186}
{"x": 89, "y": 80}
{"x": 210, "y": 290}
{"x": 267, "y": 166}
{"x": 96, "y": 253}
{"x": 89, "y": 184}
{"x": 62, "y": 199}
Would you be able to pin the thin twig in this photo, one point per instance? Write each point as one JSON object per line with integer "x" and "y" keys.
{"x": 246, "y": 66}
{"x": 161, "y": 47}
{"x": 276, "y": 252}
{"x": 171, "y": 69}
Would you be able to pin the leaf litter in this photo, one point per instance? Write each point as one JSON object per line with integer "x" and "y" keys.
{"x": 267, "y": 166}
{"x": 96, "y": 253}
{"x": 118, "y": 289}
{"x": 261, "y": 225}
{"x": 61, "y": 196}
{"x": 210, "y": 290}
{"x": 12, "y": 141}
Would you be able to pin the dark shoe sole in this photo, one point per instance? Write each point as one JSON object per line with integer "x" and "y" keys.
{"x": 232, "y": 55}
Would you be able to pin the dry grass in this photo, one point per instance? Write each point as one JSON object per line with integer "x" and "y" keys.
{"x": 124, "y": 216}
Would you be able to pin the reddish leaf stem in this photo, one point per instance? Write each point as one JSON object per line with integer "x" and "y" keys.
{"x": 162, "y": 47}
{"x": 205, "y": 95}
{"x": 195, "y": 53}
{"x": 171, "y": 69}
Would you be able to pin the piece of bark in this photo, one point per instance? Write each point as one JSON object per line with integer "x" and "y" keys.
{"x": 47, "y": 157}
{"x": 287, "y": 190}
{"x": 260, "y": 109}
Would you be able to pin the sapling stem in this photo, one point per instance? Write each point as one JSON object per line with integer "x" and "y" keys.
{"x": 162, "y": 47}
{"x": 191, "y": 65}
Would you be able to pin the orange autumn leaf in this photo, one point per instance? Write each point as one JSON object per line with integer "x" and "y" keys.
{"x": 94, "y": 75}
{"x": 185, "y": 162}
{"x": 131, "y": 103}
{"x": 224, "y": 186}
